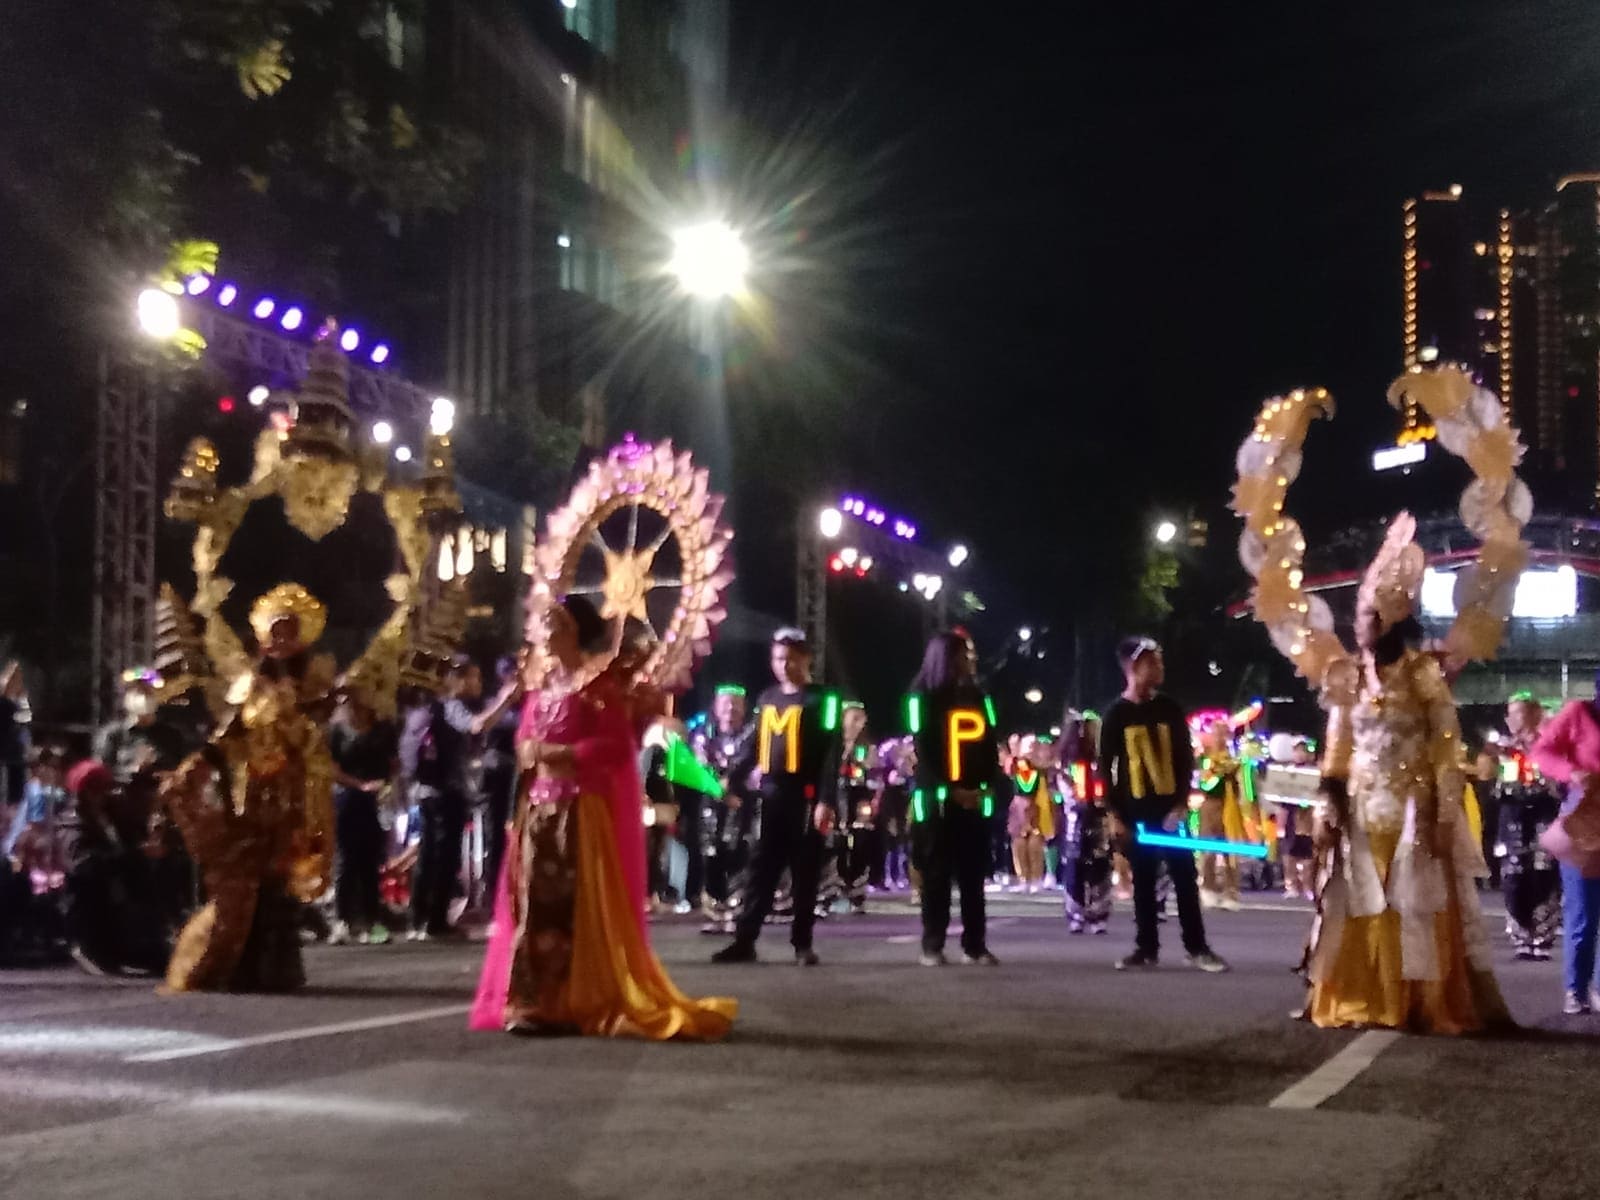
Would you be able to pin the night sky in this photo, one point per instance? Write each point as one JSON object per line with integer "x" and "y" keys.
{"x": 1067, "y": 249}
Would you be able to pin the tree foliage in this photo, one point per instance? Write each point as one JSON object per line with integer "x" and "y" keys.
{"x": 131, "y": 124}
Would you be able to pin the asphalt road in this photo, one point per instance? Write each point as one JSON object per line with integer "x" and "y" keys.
{"x": 869, "y": 1076}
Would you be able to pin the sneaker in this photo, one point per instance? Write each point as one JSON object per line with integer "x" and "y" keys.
{"x": 1229, "y": 904}
{"x": 1208, "y": 962}
{"x": 806, "y": 958}
{"x": 682, "y": 908}
{"x": 1099, "y": 930}
{"x": 1075, "y": 927}
{"x": 735, "y": 952}
{"x": 378, "y": 935}
{"x": 339, "y": 934}
{"x": 984, "y": 959}
{"x": 85, "y": 963}
{"x": 936, "y": 959}
{"x": 1573, "y": 1005}
{"x": 1136, "y": 960}
{"x": 416, "y": 935}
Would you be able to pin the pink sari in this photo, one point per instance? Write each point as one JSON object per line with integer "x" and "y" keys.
{"x": 599, "y": 727}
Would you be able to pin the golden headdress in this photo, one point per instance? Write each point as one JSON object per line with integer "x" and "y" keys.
{"x": 1394, "y": 580}
{"x": 288, "y": 600}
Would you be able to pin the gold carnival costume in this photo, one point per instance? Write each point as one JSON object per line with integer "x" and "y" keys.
{"x": 255, "y": 805}
{"x": 1398, "y": 940}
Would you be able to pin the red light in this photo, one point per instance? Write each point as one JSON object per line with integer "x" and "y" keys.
{"x": 836, "y": 565}
{"x": 225, "y": 405}
{"x": 1573, "y": 391}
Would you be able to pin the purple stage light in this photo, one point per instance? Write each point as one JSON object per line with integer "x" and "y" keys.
{"x": 349, "y": 340}
{"x": 197, "y": 285}
{"x": 380, "y": 354}
{"x": 292, "y": 317}
{"x": 263, "y": 308}
{"x": 226, "y": 295}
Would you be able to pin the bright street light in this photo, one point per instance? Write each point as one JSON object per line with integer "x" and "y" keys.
{"x": 958, "y": 554}
{"x": 402, "y": 454}
{"x": 1033, "y": 695}
{"x": 1165, "y": 532}
{"x": 259, "y": 395}
{"x": 829, "y": 522}
{"x": 442, "y": 416}
{"x": 158, "y": 313}
{"x": 382, "y": 432}
{"x": 1025, "y": 634}
{"x": 710, "y": 260}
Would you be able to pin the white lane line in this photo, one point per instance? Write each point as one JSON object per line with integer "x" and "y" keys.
{"x": 300, "y": 1035}
{"x": 907, "y": 939}
{"x": 1333, "y": 1076}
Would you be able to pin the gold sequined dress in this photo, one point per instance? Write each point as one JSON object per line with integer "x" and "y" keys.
{"x": 255, "y": 810}
{"x": 1401, "y": 941}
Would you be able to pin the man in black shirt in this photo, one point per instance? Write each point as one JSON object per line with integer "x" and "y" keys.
{"x": 796, "y": 752}
{"x": 1147, "y": 762}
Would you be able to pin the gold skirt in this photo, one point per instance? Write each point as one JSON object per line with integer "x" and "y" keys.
{"x": 613, "y": 985}
{"x": 1365, "y": 987}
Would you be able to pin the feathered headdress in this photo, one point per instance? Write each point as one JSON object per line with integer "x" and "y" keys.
{"x": 1393, "y": 581}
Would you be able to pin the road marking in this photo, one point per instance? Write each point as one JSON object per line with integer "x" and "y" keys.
{"x": 906, "y": 939}
{"x": 300, "y": 1035}
{"x": 1333, "y": 1076}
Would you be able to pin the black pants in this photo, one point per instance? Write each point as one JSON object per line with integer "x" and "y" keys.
{"x": 360, "y": 842}
{"x": 788, "y": 841}
{"x": 499, "y": 785}
{"x": 690, "y": 837}
{"x": 1145, "y": 862}
{"x": 953, "y": 846}
{"x": 860, "y": 859}
{"x": 438, "y": 859}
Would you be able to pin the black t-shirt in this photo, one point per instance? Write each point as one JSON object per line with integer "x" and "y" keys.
{"x": 1146, "y": 759}
{"x": 955, "y": 738}
{"x": 364, "y": 756}
{"x": 796, "y": 741}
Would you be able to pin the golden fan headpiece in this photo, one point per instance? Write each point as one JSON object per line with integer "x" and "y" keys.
{"x": 288, "y": 600}
{"x": 1394, "y": 580}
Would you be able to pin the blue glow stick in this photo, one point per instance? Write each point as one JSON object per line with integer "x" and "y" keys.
{"x": 1172, "y": 841}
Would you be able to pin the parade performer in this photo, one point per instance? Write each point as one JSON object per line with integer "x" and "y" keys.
{"x": 859, "y": 846}
{"x": 1085, "y": 840}
{"x": 897, "y": 768}
{"x": 1526, "y": 804}
{"x": 1147, "y": 761}
{"x": 1398, "y": 941}
{"x": 255, "y": 803}
{"x": 730, "y": 825}
{"x": 958, "y": 770}
{"x": 796, "y": 752}
{"x": 1222, "y": 815}
{"x": 1031, "y": 821}
{"x": 255, "y": 808}
{"x": 571, "y": 950}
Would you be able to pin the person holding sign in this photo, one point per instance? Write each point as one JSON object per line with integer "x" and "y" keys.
{"x": 1147, "y": 761}
{"x": 958, "y": 769}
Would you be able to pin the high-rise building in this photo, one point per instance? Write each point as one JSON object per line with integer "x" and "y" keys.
{"x": 1438, "y": 283}
{"x": 586, "y": 109}
{"x": 1520, "y": 307}
{"x": 1539, "y": 334}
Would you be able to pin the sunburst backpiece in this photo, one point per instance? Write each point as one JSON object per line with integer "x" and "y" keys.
{"x": 642, "y": 537}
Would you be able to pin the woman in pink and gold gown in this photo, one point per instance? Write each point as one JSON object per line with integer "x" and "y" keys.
{"x": 571, "y": 951}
